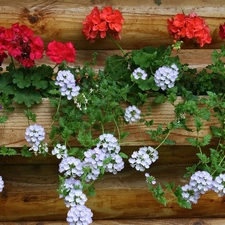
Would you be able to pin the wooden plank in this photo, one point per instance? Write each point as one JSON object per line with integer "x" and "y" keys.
{"x": 196, "y": 58}
{"x": 143, "y": 16}
{"x": 192, "y": 221}
{"x": 167, "y": 155}
{"x": 30, "y": 194}
{"x": 12, "y": 131}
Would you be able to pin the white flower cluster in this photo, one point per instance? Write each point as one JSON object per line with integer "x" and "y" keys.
{"x": 200, "y": 182}
{"x": 1, "y": 184}
{"x": 104, "y": 156}
{"x": 34, "y": 135}
{"x": 219, "y": 185}
{"x": 139, "y": 74}
{"x": 132, "y": 114}
{"x": 60, "y": 151}
{"x": 81, "y": 100}
{"x": 65, "y": 79}
{"x": 143, "y": 158}
{"x": 110, "y": 147}
{"x": 74, "y": 194}
{"x": 150, "y": 179}
{"x": 71, "y": 166}
{"x": 79, "y": 215}
{"x": 165, "y": 76}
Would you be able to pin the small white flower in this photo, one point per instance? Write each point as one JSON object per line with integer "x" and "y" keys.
{"x": 65, "y": 80}
{"x": 143, "y": 158}
{"x": 139, "y": 74}
{"x": 60, "y": 151}
{"x": 132, "y": 114}
{"x": 79, "y": 214}
{"x": 34, "y": 135}
{"x": 165, "y": 76}
{"x": 1, "y": 184}
{"x": 219, "y": 185}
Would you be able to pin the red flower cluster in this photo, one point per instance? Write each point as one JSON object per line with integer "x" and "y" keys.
{"x": 100, "y": 22}
{"x": 21, "y": 44}
{"x": 191, "y": 26}
{"x": 58, "y": 52}
{"x": 222, "y": 31}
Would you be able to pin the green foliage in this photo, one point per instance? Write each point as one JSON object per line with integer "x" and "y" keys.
{"x": 25, "y": 152}
{"x": 158, "y": 2}
{"x": 30, "y": 115}
{"x": 7, "y": 151}
{"x": 100, "y": 105}
{"x": 3, "y": 119}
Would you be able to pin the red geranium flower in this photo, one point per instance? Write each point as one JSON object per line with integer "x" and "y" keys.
{"x": 222, "y": 31}
{"x": 98, "y": 23}
{"x": 57, "y": 51}
{"x": 19, "y": 42}
{"x": 191, "y": 26}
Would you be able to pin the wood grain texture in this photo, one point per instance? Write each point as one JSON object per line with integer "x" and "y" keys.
{"x": 31, "y": 183}
{"x": 196, "y": 58}
{"x": 145, "y": 22}
{"x": 12, "y": 131}
{"x": 167, "y": 155}
{"x": 191, "y": 221}
{"x": 30, "y": 195}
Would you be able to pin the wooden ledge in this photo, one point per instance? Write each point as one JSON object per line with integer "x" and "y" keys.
{"x": 182, "y": 221}
{"x": 12, "y": 132}
{"x": 30, "y": 194}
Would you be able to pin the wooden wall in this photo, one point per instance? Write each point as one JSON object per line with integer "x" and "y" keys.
{"x": 30, "y": 184}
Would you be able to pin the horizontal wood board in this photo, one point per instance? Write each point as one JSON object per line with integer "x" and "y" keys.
{"x": 30, "y": 184}
{"x": 30, "y": 194}
{"x": 13, "y": 130}
{"x": 145, "y": 22}
{"x": 184, "y": 221}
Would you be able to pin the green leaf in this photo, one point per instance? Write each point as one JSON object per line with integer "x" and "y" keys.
{"x": 123, "y": 155}
{"x": 146, "y": 85}
{"x": 38, "y": 83}
{"x": 6, "y": 84}
{"x": 181, "y": 201}
{"x": 25, "y": 152}
{"x": 159, "y": 99}
{"x": 192, "y": 141}
{"x": 158, "y": 193}
{"x": 21, "y": 80}
{"x": 30, "y": 115}
{"x": 143, "y": 59}
{"x": 217, "y": 131}
{"x": 7, "y": 151}
{"x": 198, "y": 123}
{"x": 203, "y": 158}
{"x": 3, "y": 119}
{"x": 206, "y": 140}
{"x": 157, "y": 2}
{"x": 91, "y": 191}
{"x": 28, "y": 97}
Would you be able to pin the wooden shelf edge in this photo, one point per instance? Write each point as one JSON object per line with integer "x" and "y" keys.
{"x": 183, "y": 221}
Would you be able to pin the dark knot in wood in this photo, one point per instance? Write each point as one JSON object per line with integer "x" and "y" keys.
{"x": 33, "y": 18}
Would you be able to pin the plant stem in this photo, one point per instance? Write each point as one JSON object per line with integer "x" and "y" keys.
{"x": 164, "y": 139}
{"x": 57, "y": 110}
{"x": 13, "y": 63}
{"x": 116, "y": 43}
{"x": 118, "y": 130}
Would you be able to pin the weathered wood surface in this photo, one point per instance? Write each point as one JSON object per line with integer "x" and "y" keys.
{"x": 167, "y": 155}
{"x": 13, "y": 130}
{"x": 191, "y": 221}
{"x": 30, "y": 195}
{"x": 30, "y": 184}
{"x": 145, "y": 22}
